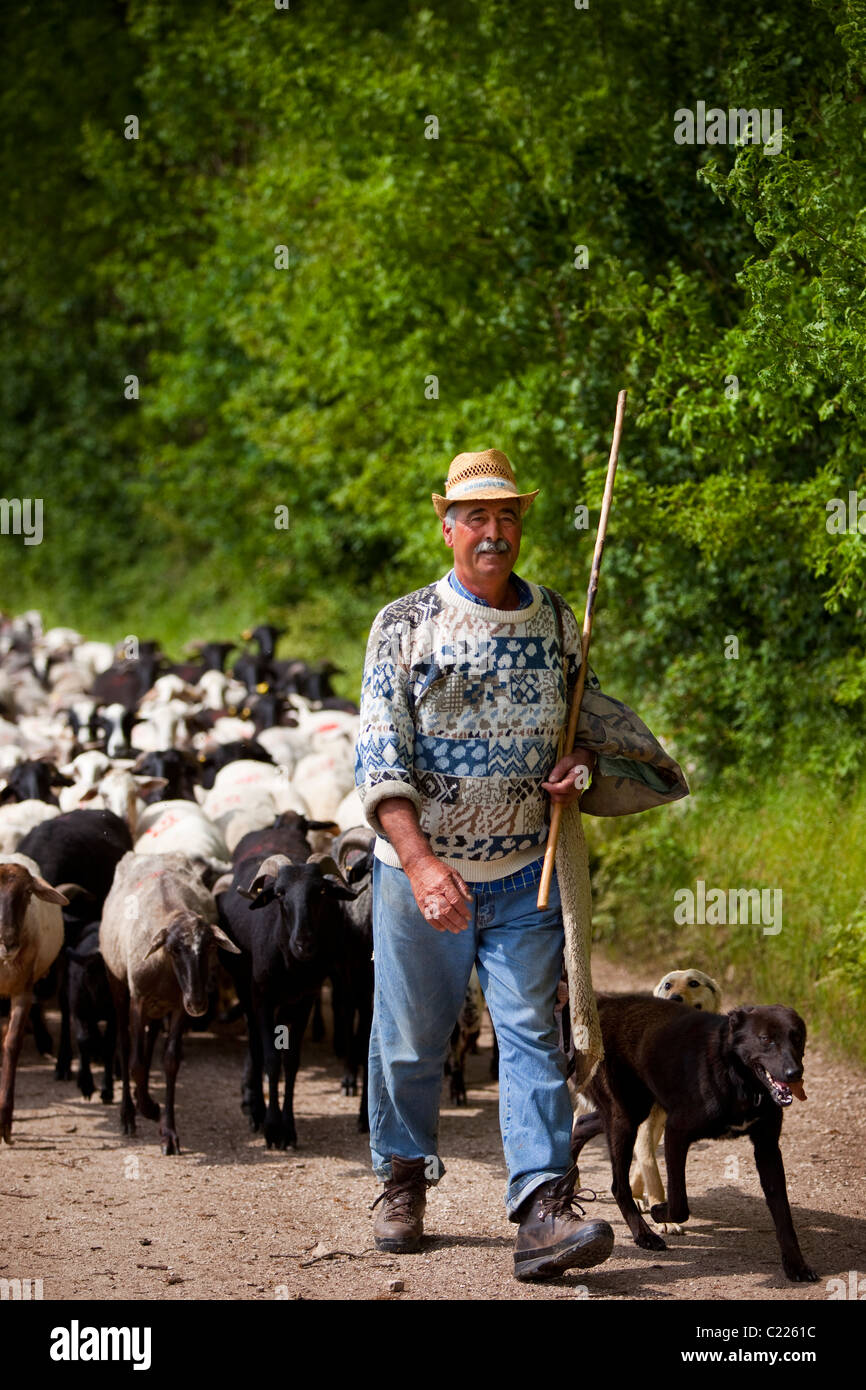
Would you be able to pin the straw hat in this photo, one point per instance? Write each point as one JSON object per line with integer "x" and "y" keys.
{"x": 480, "y": 477}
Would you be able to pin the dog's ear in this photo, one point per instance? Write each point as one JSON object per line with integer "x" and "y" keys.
{"x": 737, "y": 1017}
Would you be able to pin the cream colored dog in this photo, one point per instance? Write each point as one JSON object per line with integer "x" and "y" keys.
{"x": 699, "y": 991}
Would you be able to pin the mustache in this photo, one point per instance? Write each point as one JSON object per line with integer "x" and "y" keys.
{"x": 488, "y": 547}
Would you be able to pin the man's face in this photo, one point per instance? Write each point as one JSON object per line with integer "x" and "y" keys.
{"x": 485, "y": 538}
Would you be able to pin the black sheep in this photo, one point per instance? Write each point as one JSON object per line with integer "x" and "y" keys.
{"x": 287, "y": 920}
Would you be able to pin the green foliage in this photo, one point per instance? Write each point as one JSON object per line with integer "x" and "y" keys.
{"x": 841, "y": 987}
{"x": 452, "y": 257}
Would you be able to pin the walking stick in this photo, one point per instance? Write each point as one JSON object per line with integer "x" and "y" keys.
{"x": 568, "y": 744}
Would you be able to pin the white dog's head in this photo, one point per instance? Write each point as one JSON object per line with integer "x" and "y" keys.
{"x": 690, "y": 987}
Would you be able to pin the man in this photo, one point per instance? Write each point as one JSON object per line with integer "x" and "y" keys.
{"x": 463, "y": 701}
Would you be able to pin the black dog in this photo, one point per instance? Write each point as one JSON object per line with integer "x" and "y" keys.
{"x": 717, "y": 1076}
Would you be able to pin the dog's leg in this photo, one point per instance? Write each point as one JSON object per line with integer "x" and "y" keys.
{"x": 648, "y": 1179}
{"x": 676, "y": 1208}
{"x": 644, "y": 1152}
{"x": 621, "y": 1132}
{"x": 636, "y": 1178}
{"x": 585, "y": 1127}
{"x": 771, "y": 1171}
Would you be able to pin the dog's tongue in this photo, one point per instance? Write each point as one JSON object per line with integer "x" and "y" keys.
{"x": 797, "y": 1088}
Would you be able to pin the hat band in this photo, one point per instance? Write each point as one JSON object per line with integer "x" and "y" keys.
{"x": 473, "y": 485}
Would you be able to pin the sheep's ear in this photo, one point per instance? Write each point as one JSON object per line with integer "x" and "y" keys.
{"x": 333, "y": 876}
{"x": 261, "y": 899}
{"x": 266, "y": 874}
{"x": 340, "y": 890}
{"x": 75, "y": 890}
{"x": 44, "y": 890}
{"x": 145, "y": 785}
{"x": 157, "y": 943}
{"x": 224, "y": 941}
{"x": 257, "y": 887}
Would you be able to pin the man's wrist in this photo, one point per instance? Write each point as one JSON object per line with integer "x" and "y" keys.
{"x": 400, "y": 821}
{"x": 414, "y": 859}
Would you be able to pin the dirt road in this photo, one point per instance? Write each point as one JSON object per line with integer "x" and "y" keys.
{"x": 97, "y": 1216}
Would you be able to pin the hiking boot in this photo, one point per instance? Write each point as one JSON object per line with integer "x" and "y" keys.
{"x": 552, "y": 1239}
{"x": 400, "y": 1222}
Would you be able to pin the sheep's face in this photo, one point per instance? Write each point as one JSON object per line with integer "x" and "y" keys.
{"x": 17, "y": 887}
{"x": 304, "y": 895}
{"x": 16, "y": 890}
{"x": 190, "y": 944}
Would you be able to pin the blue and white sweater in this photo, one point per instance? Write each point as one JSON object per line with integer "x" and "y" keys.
{"x": 461, "y": 709}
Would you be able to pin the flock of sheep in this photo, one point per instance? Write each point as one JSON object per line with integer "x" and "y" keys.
{"x": 167, "y": 831}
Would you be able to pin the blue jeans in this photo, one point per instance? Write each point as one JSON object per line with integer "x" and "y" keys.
{"x": 421, "y": 978}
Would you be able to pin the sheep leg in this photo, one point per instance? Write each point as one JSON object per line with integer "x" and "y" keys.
{"x": 298, "y": 1018}
{"x": 41, "y": 1035}
{"x": 120, "y": 995}
{"x": 273, "y": 1066}
{"x": 252, "y": 1093}
{"x": 142, "y": 1053}
{"x": 106, "y": 1095}
{"x": 318, "y": 1020}
{"x": 84, "y": 1044}
{"x": 154, "y": 1028}
{"x": 171, "y": 1062}
{"x": 340, "y": 1006}
{"x": 353, "y": 1053}
{"x": 11, "y": 1050}
{"x": 63, "y": 1065}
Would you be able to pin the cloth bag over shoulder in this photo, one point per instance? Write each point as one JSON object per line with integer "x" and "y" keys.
{"x": 633, "y": 772}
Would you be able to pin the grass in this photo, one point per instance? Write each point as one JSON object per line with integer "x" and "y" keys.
{"x": 786, "y": 832}
{"x": 215, "y": 606}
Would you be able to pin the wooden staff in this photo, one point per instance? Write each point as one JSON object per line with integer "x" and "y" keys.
{"x": 567, "y": 745}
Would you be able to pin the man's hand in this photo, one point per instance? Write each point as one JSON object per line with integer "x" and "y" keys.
{"x": 440, "y": 893}
{"x": 570, "y": 777}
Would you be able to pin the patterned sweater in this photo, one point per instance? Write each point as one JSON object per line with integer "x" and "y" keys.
{"x": 461, "y": 709}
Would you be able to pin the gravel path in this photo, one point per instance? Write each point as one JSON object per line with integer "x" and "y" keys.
{"x": 98, "y": 1216}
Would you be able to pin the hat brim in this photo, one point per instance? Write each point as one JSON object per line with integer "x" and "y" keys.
{"x": 525, "y": 499}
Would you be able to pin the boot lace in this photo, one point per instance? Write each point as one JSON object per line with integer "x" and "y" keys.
{"x": 563, "y": 1198}
{"x": 399, "y": 1200}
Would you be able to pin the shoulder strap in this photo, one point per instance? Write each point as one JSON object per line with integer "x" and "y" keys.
{"x": 554, "y": 603}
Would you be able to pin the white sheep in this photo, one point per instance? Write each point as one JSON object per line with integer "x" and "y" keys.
{"x": 157, "y": 937}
